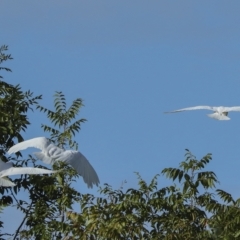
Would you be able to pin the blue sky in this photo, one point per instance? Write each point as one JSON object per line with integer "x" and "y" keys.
{"x": 130, "y": 61}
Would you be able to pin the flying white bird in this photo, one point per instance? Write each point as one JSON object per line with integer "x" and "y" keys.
{"x": 7, "y": 169}
{"x": 220, "y": 113}
{"x": 51, "y": 153}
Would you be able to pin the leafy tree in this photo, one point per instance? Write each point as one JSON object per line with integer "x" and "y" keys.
{"x": 167, "y": 213}
{"x": 14, "y": 106}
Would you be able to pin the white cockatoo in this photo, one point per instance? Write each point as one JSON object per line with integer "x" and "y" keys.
{"x": 7, "y": 169}
{"x": 51, "y": 153}
{"x": 220, "y": 113}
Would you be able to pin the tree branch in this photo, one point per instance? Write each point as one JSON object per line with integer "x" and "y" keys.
{"x": 21, "y": 224}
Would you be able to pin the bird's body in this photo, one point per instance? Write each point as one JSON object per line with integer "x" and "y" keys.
{"x": 220, "y": 113}
{"x": 7, "y": 169}
{"x": 51, "y": 153}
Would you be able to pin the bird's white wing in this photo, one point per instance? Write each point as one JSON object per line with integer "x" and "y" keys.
{"x": 231, "y": 109}
{"x": 192, "y": 108}
{"x": 24, "y": 170}
{"x": 43, "y": 157}
{"x": 39, "y": 142}
{"x": 79, "y": 162}
{"x": 6, "y": 183}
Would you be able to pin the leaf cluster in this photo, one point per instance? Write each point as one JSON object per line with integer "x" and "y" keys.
{"x": 4, "y": 57}
{"x": 62, "y": 118}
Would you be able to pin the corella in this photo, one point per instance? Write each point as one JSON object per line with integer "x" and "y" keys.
{"x": 51, "y": 153}
{"x": 220, "y": 113}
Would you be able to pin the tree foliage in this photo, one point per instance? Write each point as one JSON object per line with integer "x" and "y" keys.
{"x": 63, "y": 117}
{"x": 172, "y": 212}
{"x": 14, "y": 106}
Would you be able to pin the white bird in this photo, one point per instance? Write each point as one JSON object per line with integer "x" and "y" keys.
{"x": 51, "y": 153}
{"x": 7, "y": 169}
{"x": 220, "y": 113}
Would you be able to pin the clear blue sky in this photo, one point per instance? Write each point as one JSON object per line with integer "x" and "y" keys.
{"x": 130, "y": 61}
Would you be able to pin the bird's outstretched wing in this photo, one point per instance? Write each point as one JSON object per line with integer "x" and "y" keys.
{"x": 43, "y": 157}
{"x": 80, "y": 163}
{"x": 232, "y": 109}
{"x": 51, "y": 153}
{"x": 6, "y": 183}
{"x": 39, "y": 142}
{"x": 24, "y": 170}
{"x": 192, "y": 108}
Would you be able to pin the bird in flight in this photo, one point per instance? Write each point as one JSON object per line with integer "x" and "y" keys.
{"x": 51, "y": 153}
{"x": 7, "y": 169}
{"x": 220, "y": 113}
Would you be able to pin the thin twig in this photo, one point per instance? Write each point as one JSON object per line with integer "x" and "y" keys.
{"x": 23, "y": 221}
{"x": 22, "y": 208}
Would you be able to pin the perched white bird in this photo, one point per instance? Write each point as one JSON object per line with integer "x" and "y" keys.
{"x": 7, "y": 169}
{"x": 51, "y": 153}
{"x": 220, "y": 113}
